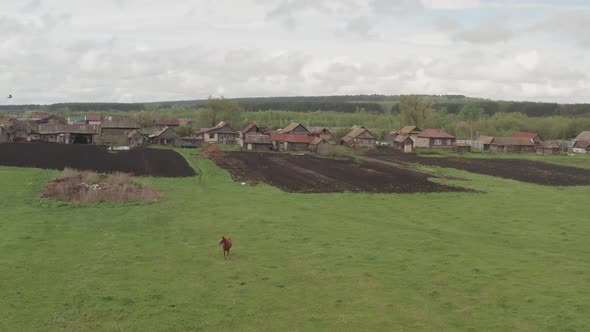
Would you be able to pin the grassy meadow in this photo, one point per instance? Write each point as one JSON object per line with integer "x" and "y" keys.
{"x": 512, "y": 258}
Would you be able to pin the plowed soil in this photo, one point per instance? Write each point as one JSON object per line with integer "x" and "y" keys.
{"x": 139, "y": 161}
{"x": 309, "y": 174}
{"x": 514, "y": 169}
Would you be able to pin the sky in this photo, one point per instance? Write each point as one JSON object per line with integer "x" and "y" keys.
{"x": 152, "y": 50}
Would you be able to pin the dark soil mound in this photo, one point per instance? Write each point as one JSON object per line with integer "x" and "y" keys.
{"x": 514, "y": 169}
{"x": 309, "y": 174}
{"x": 139, "y": 161}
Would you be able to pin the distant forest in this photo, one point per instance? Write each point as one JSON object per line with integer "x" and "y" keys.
{"x": 452, "y": 104}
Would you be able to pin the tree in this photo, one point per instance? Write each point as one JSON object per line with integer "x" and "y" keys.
{"x": 414, "y": 110}
{"x": 220, "y": 109}
{"x": 470, "y": 113}
{"x": 183, "y": 131}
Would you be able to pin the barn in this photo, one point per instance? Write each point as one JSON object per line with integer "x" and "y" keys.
{"x": 512, "y": 145}
{"x": 257, "y": 143}
{"x": 114, "y": 130}
{"x": 164, "y": 136}
{"x": 136, "y": 138}
{"x": 548, "y": 148}
{"x": 482, "y": 143}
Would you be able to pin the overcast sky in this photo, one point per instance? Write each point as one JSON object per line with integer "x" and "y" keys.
{"x": 149, "y": 50}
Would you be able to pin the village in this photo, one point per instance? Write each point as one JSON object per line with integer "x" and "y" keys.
{"x": 125, "y": 131}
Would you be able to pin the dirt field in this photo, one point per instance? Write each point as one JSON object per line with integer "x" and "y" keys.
{"x": 514, "y": 169}
{"x": 140, "y": 161}
{"x": 309, "y": 174}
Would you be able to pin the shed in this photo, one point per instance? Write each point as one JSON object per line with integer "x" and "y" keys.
{"x": 403, "y": 143}
{"x": 114, "y": 130}
{"x": 512, "y": 145}
{"x": 461, "y": 147}
{"x": 290, "y": 142}
{"x": 548, "y": 148}
{"x": 257, "y": 143}
{"x": 164, "y": 136}
{"x": 482, "y": 143}
{"x": 320, "y": 145}
{"x": 136, "y": 138}
{"x": 322, "y": 132}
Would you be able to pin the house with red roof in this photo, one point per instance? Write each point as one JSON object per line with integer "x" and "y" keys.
{"x": 93, "y": 119}
{"x": 290, "y": 142}
{"x": 166, "y": 122}
{"x": 534, "y": 136}
{"x": 434, "y": 139}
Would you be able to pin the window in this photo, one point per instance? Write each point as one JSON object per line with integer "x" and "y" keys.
{"x": 437, "y": 142}
{"x": 211, "y": 136}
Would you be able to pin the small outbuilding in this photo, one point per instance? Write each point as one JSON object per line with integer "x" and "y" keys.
{"x": 164, "y": 136}
{"x": 136, "y": 138}
{"x": 257, "y": 143}
{"x": 320, "y": 145}
{"x": 548, "y": 148}
{"x": 290, "y": 142}
{"x": 482, "y": 143}
{"x": 461, "y": 147}
{"x": 403, "y": 143}
{"x": 512, "y": 145}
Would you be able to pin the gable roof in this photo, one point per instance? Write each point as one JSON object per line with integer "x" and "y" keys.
{"x": 485, "y": 139}
{"x": 320, "y": 130}
{"x": 582, "y": 144}
{"x": 257, "y": 139}
{"x": 549, "y": 145}
{"x": 410, "y": 130}
{"x": 222, "y": 127}
{"x": 318, "y": 140}
{"x": 93, "y": 117}
{"x": 401, "y": 138}
{"x": 290, "y": 138}
{"x": 435, "y": 133}
{"x": 584, "y": 136}
{"x": 357, "y": 131}
{"x": 161, "y": 131}
{"x": 292, "y": 126}
{"x": 133, "y": 133}
{"x": 513, "y": 141}
{"x": 249, "y": 127}
{"x": 525, "y": 134}
{"x": 50, "y": 129}
{"x": 119, "y": 122}
{"x": 40, "y": 115}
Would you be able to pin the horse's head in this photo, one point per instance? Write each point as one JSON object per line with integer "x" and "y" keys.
{"x": 223, "y": 239}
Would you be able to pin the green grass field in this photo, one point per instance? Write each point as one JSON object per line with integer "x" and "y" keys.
{"x": 515, "y": 258}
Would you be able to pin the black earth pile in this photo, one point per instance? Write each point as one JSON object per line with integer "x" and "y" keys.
{"x": 139, "y": 161}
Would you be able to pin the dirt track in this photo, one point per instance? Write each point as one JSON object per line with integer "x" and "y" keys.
{"x": 514, "y": 169}
{"x": 309, "y": 174}
{"x": 140, "y": 161}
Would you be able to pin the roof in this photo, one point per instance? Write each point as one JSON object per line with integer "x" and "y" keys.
{"x": 49, "y": 129}
{"x": 357, "y": 131}
{"x": 513, "y": 141}
{"x": 40, "y": 115}
{"x": 401, "y": 138}
{"x": 119, "y": 122}
{"x": 291, "y": 138}
{"x": 248, "y": 128}
{"x": 318, "y": 140}
{"x": 409, "y": 130}
{"x": 292, "y": 126}
{"x": 582, "y": 144}
{"x": 133, "y": 133}
{"x": 93, "y": 117}
{"x": 257, "y": 139}
{"x": 485, "y": 139}
{"x": 549, "y": 145}
{"x": 525, "y": 134}
{"x": 584, "y": 136}
{"x": 161, "y": 131}
{"x": 319, "y": 130}
{"x": 218, "y": 128}
{"x": 435, "y": 133}
{"x": 171, "y": 122}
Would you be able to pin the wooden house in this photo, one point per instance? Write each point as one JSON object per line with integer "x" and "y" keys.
{"x": 223, "y": 133}
{"x": 166, "y": 122}
{"x": 548, "y": 148}
{"x": 164, "y": 136}
{"x": 289, "y": 142}
{"x": 358, "y": 137}
{"x": 483, "y": 143}
{"x": 136, "y": 138}
{"x": 403, "y": 143}
{"x": 114, "y": 130}
{"x": 434, "y": 139}
{"x": 319, "y": 145}
{"x": 512, "y": 145}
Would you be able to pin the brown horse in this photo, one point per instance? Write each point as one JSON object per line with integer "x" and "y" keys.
{"x": 226, "y": 243}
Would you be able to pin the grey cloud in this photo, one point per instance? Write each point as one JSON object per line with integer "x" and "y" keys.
{"x": 486, "y": 33}
{"x": 565, "y": 25}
